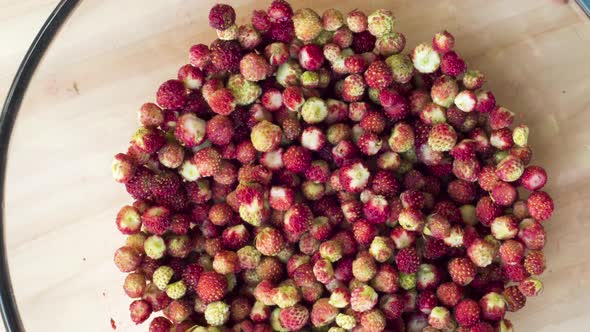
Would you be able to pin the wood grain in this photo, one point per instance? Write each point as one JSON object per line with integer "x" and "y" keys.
{"x": 110, "y": 57}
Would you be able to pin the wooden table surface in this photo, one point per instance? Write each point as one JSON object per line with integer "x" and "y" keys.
{"x": 110, "y": 57}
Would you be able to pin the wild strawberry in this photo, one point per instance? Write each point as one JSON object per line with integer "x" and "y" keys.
{"x": 123, "y": 168}
{"x": 488, "y": 179}
{"x": 532, "y": 234}
{"x": 486, "y": 210}
{"x": 511, "y": 252}
{"x": 515, "y": 272}
{"x": 439, "y": 318}
{"x": 401, "y": 138}
{"x": 449, "y": 294}
{"x": 363, "y": 298}
{"x": 269, "y": 241}
{"x": 504, "y": 194}
{"x": 442, "y": 137}
{"x": 437, "y": 226}
{"x": 407, "y": 260}
{"x": 373, "y": 320}
{"x": 530, "y": 287}
{"x": 323, "y": 313}
{"x": 364, "y": 267}
{"x": 481, "y": 252}
{"x": 515, "y": 300}
{"x": 160, "y": 324}
{"x": 493, "y": 306}
{"x": 534, "y": 262}
{"x": 467, "y": 312}
{"x": 140, "y": 311}
{"x": 462, "y": 270}
{"x": 211, "y": 286}
{"x": 540, "y": 205}
{"x": 486, "y": 101}
{"x": 452, "y": 65}
{"x": 443, "y": 42}
{"x": 297, "y": 159}
{"x": 294, "y": 318}
{"x": 426, "y": 301}
{"x": 461, "y": 191}
{"x": 425, "y": 59}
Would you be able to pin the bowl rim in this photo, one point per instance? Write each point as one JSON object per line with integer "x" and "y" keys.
{"x": 14, "y": 98}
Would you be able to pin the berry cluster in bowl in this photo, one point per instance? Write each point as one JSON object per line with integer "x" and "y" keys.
{"x": 305, "y": 172}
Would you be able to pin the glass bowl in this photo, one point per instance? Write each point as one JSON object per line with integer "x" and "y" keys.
{"x": 102, "y": 59}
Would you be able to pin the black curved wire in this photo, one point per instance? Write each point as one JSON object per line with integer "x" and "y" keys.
{"x": 8, "y": 307}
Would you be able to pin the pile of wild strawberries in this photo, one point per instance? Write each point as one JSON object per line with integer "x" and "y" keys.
{"x": 304, "y": 172}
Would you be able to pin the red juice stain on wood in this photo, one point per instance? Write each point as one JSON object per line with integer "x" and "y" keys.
{"x": 113, "y": 324}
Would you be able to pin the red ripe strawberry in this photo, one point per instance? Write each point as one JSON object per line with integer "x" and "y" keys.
{"x": 377, "y": 210}
{"x": 504, "y": 194}
{"x": 297, "y": 159}
{"x": 140, "y": 311}
{"x": 156, "y": 219}
{"x": 392, "y": 306}
{"x": 532, "y": 234}
{"x": 442, "y": 137}
{"x": 222, "y": 102}
{"x": 279, "y": 11}
{"x": 515, "y": 300}
{"x": 540, "y": 205}
{"x": 407, "y": 260}
{"x": 443, "y": 42}
{"x": 207, "y": 161}
{"x": 412, "y": 199}
{"x": 298, "y": 219}
{"x": 435, "y": 248}
{"x": 515, "y": 272}
{"x": 481, "y": 327}
{"x": 384, "y": 183}
{"x": 467, "y": 312}
{"x": 221, "y": 17}
{"x": 533, "y": 178}
{"x": 373, "y": 122}
{"x": 386, "y": 279}
{"x": 304, "y": 276}
{"x": 449, "y": 294}
{"x": 511, "y": 252}
{"x": 235, "y": 237}
{"x": 448, "y": 210}
{"x": 294, "y": 318}
{"x": 487, "y": 178}
{"x": 486, "y": 210}
{"x": 414, "y": 179}
{"x": 355, "y": 64}
{"x": 160, "y": 324}
{"x": 191, "y": 275}
{"x": 493, "y": 306}
{"x": 220, "y": 130}
{"x": 343, "y": 269}
{"x": 211, "y": 286}
{"x": 426, "y": 301}
{"x": 363, "y": 42}
{"x": 486, "y": 101}
{"x": 464, "y": 150}
{"x": 451, "y": 64}
{"x": 171, "y": 94}
{"x": 462, "y": 270}
{"x": 269, "y": 241}
{"x": 461, "y": 191}
{"x": 534, "y": 262}
{"x": 378, "y": 76}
